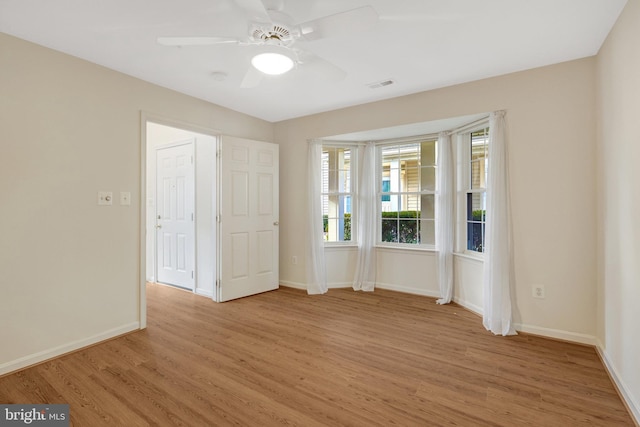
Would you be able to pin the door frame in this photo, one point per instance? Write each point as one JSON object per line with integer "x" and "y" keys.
{"x": 148, "y": 117}
{"x": 194, "y": 245}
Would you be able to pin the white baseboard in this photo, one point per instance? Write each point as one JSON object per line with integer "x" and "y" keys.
{"x": 623, "y": 390}
{"x": 303, "y": 286}
{"x": 386, "y": 286}
{"x": 557, "y": 334}
{"x": 471, "y": 307}
{"x": 294, "y": 285}
{"x": 39, "y": 357}
{"x": 204, "y": 293}
{"x": 408, "y": 290}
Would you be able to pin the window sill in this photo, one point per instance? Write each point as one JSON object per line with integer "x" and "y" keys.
{"x": 341, "y": 246}
{"x": 466, "y": 255}
{"x": 417, "y": 248}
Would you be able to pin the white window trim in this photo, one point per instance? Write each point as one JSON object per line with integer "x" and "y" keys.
{"x": 355, "y": 160}
{"x": 463, "y": 160}
{"x": 379, "y": 146}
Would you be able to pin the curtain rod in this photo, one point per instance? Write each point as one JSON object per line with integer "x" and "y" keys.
{"x": 410, "y": 138}
{"x": 468, "y": 126}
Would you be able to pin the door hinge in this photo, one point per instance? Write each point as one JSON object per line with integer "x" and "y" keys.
{"x": 191, "y": 159}
{"x": 192, "y": 274}
{"x": 219, "y": 218}
{"x": 191, "y": 216}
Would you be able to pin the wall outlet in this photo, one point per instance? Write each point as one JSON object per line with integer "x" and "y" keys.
{"x": 105, "y": 198}
{"x": 538, "y": 291}
{"x": 294, "y": 260}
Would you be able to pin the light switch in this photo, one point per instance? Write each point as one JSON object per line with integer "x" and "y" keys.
{"x": 105, "y": 198}
{"x": 125, "y": 198}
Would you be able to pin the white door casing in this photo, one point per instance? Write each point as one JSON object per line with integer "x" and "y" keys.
{"x": 247, "y": 218}
{"x": 175, "y": 203}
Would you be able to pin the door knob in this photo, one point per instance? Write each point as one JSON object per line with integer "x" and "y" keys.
{"x": 158, "y": 226}
{"x": 276, "y": 222}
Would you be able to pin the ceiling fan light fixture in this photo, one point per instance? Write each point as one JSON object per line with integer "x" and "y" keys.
{"x": 272, "y": 63}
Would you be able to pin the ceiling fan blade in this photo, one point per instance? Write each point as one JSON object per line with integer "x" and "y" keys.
{"x": 349, "y": 22}
{"x": 195, "y": 41}
{"x": 255, "y": 10}
{"x": 318, "y": 68}
{"x": 252, "y": 78}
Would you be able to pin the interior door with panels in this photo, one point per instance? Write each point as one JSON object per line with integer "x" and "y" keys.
{"x": 247, "y": 218}
{"x": 175, "y": 236}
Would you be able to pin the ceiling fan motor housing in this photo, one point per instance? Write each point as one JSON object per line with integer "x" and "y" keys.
{"x": 272, "y": 34}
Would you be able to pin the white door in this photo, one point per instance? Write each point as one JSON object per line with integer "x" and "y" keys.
{"x": 175, "y": 201}
{"x": 248, "y": 218}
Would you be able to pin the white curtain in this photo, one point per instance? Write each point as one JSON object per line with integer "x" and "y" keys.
{"x": 365, "y": 274}
{"x": 316, "y": 266}
{"x": 444, "y": 217}
{"x": 497, "y": 257}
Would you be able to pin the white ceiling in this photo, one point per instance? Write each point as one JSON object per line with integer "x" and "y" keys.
{"x": 419, "y": 44}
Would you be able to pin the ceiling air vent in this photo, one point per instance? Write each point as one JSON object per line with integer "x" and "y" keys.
{"x": 380, "y": 84}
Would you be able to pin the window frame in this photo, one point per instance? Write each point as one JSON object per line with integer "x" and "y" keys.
{"x": 464, "y": 188}
{"x": 380, "y": 146}
{"x": 353, "y": 193}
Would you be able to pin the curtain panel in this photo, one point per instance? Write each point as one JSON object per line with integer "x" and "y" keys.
{"x": 498, "y": 262}
{"x": 316, "y": 265}
{"x": 445, "y": 218}
{"x": 365, "y": 273}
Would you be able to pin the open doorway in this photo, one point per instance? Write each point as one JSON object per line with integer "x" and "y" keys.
{"x": 180, "y": 207}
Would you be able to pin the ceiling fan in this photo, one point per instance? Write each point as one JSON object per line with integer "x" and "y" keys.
{"x": 274, "y": 33}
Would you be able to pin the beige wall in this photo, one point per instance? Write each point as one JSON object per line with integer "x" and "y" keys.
{"x": 551, "y": 119}
{"x": 68, "y": 128}
{"x": 618, "y": 104}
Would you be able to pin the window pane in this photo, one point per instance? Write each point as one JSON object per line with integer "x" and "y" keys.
{"x": 428, "y": 178}
{"x": 392, "y": 204}
{"x": 336, "y": 188}
{"x": 386, "y": 187}
{"x": 476, "y": 203}
{"x": 475, "y": 236}
{"x": 411, "y": 174}
{"x": 476, "y": 217}
{"x": 406, "y": 171}
{"x": 336, "y": 169}
{"x": 427, "y": 204}
{"x": 330, "y": 234}
{"x": 428, "y": 153}
{"x": 408, "y": 231}
{"x": 479, "y": 158}
{"x": 427, "y": 232}
{"x": 337, "y": 214}
{"x": 344, "y": 181}
{"x": 412, "y": 203}
{"x": 389, "y": 230}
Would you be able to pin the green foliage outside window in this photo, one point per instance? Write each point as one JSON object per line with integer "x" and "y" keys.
{"x": 401, "y": 227}
{"x": 347, "y": 226}
{"x": 478, "y": 215}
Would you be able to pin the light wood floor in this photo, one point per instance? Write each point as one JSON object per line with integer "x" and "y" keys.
{"x": 345, "y": 358}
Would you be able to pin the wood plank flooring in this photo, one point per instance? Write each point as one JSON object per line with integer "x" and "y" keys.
{"x": 344, "y": 358}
